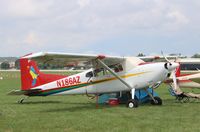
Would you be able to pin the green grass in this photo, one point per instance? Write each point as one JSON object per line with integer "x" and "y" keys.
{"x": 78, "y": 113}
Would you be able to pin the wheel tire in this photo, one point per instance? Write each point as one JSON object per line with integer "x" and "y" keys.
{"x": 132, "y": 103}
{"x": 158, "y": 101}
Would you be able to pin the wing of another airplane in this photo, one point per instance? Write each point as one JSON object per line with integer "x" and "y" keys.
{"x": 69, "y": 58}
{"x": 193, "y": 77}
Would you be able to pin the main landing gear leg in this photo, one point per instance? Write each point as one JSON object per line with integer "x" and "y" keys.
{"x": 132, "y": 103}
{"x": 154, "y": 100}
{"x": 22, "y": 100}
{"x": 97, "y": 99}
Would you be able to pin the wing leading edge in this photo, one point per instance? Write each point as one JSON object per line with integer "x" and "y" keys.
{"x": 69, "y": 58}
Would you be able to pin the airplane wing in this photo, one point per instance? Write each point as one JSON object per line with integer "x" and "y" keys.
{"x": 149, "y": 58}
{"x": 157, "y": 58}
{"x": 193, "y": 77}
{"x": 69, "y": 58}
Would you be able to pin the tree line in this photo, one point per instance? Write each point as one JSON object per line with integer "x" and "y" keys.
{"x": 6, "y": 64}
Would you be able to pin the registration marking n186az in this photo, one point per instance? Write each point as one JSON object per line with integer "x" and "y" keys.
{"x": 68, "y": 81}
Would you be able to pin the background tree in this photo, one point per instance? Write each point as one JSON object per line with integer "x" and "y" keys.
{"x": 196, "y": 56}
{"x": 17, "y": 66}
{"x": 5, "y": 65}
{"x": 140, "y": 55}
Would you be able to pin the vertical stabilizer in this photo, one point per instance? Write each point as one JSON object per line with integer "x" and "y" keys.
{"x": 32, "y": 77}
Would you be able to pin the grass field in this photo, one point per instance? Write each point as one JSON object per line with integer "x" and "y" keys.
{"x": 78, "y": 113}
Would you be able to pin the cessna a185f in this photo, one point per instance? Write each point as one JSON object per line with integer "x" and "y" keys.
{"x": 108, "y": 74}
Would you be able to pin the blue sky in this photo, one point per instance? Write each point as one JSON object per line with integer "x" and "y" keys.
{"x": 122, "y": 27}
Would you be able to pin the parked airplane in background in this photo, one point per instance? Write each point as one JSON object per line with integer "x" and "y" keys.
{"x": 184, "y": 81}
{"x": 108, "y": 74}
{"x": 187, "y": 80}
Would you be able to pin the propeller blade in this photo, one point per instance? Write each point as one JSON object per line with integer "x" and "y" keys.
{"x": 165, "y": 57}
{"x": 174, "y": 79}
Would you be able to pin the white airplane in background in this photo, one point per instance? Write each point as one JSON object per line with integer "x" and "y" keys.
{"x": 108, "y": 74}
{"x": 179, "y": 80}
{"x": 184, "y": 81}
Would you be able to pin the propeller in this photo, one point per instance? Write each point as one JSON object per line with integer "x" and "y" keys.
{"x": 165, "y": 57}
{"x": 168, "y": 63}
{"x": 173, "y": 73}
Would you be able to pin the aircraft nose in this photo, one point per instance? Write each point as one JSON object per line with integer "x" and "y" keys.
{"x": 171, "y": 66}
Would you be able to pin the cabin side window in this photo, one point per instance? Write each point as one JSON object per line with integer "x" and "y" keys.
{"x": 99, "y": 72}
{"x": 102, "y": 71}
{"x": 117, "y": 68}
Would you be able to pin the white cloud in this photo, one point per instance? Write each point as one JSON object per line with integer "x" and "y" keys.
{"x": 83, "y": 3}
{"x": 24, "y": 8}
{"x": 32, "y": 39}
{"x": 76, "y": 24}
{"x": 178, "y": 17}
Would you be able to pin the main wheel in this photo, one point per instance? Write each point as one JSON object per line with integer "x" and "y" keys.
{"x": 132, "y": 103}
{"x": 158, "y": 101}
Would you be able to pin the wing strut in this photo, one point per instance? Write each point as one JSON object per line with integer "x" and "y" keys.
{"x": 114, "y": 74}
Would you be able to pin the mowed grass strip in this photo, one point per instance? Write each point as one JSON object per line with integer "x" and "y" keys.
{"x": 78, "y": 113}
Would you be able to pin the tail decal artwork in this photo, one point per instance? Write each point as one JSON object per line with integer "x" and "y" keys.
{"x": 34, "y": 75}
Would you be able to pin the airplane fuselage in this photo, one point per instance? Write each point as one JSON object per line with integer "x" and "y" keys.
{"x": 141, "y": 76}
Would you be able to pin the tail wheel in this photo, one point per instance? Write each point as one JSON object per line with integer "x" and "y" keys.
{"x": 158, "y": 101}
{"x": 132, "y": 103}
{"x": 21, "y": 101}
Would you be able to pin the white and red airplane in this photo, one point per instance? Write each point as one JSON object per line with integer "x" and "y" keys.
{"x": 108, "y": 74}
{"x": 187, "y": 80}
{"x": 179, "y": 80}
{"x": 184, "y": 81}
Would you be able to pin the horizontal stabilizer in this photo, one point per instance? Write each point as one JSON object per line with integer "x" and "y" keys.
{"x": 24, "y": 92}
{"x": 16, "y": 92}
